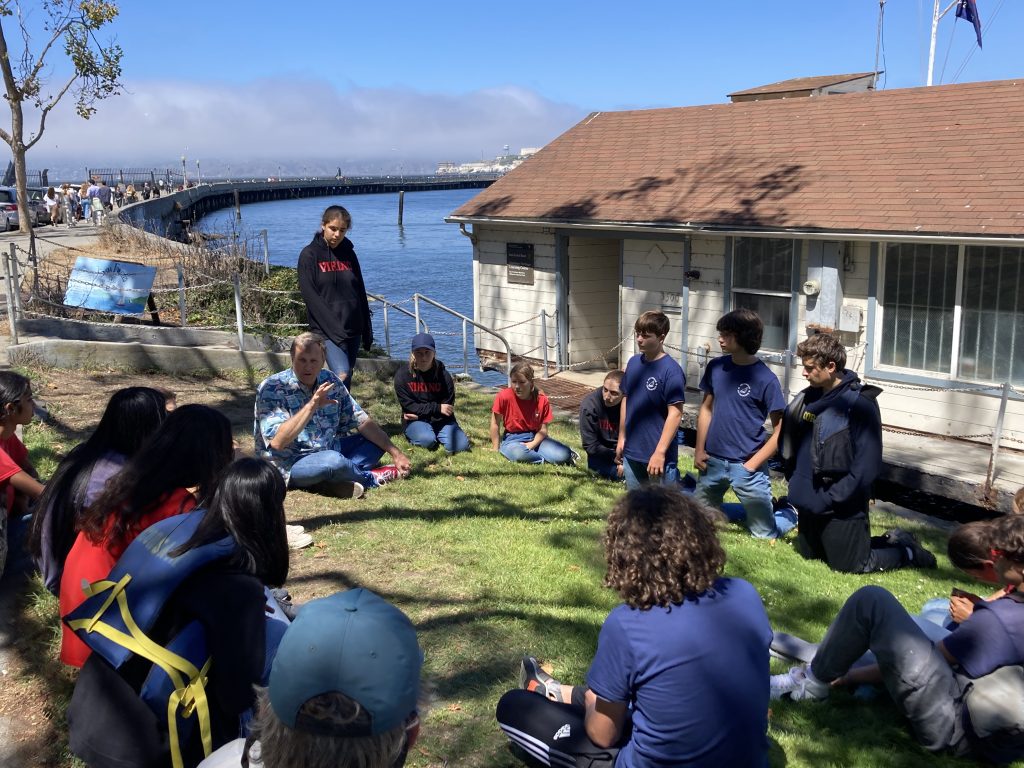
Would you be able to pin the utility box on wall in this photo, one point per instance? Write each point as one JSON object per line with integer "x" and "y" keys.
{"x": 823, "y": 287}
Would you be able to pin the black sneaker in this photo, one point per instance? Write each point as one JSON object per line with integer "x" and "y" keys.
{"x": 533, "y": 678}
{"x": 918, "y": 556}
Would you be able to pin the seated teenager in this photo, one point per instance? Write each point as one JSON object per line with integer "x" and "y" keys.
{"x": 599, "y": 427}
{"x": 131, "y": 417}
{"x": 174, "y": 471}
{"x": 19, "y": 481}
{"x": 520, "y": 415}
{"x": 426, "y": 394}
{"x": 309, "y": 426}
{"x": 343, "y": 690}
{"x": 962, "y": 694}
{"x": 206, "y": 573}
{"x": 680, "y": 676}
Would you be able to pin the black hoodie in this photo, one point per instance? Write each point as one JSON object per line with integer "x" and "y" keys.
{"x": 845, "y": 489}
{"x": 423, "y": 392}
{"x": 332, "y": 286}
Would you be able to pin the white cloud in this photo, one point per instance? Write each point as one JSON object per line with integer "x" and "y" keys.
{"x": 273, "y": 121}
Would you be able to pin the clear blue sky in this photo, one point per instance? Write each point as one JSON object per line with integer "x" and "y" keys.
{"x": 418, "y": 82}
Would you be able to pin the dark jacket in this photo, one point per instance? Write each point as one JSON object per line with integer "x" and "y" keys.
{"x": 331, "y": 283}
{"x": 831, "y": 446}
{"x": 599, "y": 426}
{"x": 423, "y": 393}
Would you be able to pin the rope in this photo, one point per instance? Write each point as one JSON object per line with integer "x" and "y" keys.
{"x": 228, "y": 326}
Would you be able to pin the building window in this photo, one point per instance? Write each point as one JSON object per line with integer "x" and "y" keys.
{"x": 762, "y": 280}
{"x": 954, "y": 310}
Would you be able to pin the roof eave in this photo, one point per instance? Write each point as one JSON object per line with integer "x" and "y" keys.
{"x": 714, "y": 229}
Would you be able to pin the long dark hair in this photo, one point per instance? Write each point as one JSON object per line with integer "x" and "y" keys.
{"x": 190, "y": 450}
{"x": 132, "y": 416}
{"x": 248, "y": 505}
{"x": 13, "y": 387}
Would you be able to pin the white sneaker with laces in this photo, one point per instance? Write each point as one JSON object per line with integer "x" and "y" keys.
{"x": 797, "y": 685}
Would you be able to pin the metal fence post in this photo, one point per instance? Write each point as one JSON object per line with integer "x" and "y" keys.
{"x": 416, "y": 307}
{"x": 238, "y": 311}
{"x": 997, "y": 434}
{"x": 266, "y": 251}
{"x": 786, "y": 374}
{"x": 10, "y": 296}
{"x": 387, "y": 329}
{"x": 465, "y": 348}
{"x": 181, "y": 297}
{"x": 544, "y": 340}
{"x": 561, "y": 364}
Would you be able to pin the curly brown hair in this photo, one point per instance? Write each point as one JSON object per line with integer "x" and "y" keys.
{"x": 661, "y": 547}
{"x": 1008, "y": 537}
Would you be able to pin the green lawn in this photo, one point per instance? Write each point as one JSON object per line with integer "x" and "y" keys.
{"x": 493, "y": 560}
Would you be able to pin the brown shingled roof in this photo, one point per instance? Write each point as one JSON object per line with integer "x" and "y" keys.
{"x": 945, "y": 159}
{"x": 801, "y": 84}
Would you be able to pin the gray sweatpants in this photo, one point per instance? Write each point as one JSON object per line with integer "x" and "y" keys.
{"x": 915, "y": 672}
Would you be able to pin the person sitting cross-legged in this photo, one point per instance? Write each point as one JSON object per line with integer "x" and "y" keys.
{"x": 963, "y": 694}
{"x": 308, "y": 425}
{"x": 680, "y": 676}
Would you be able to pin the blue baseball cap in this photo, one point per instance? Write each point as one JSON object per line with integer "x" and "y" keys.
{"x": 423, "y": 341}
{"x": 353, "y": 643}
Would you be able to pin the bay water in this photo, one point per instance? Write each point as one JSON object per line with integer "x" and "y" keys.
{"x": 424, "y": 256}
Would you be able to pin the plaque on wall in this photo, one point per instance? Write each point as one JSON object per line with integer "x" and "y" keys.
{"x": 519, "y": 263}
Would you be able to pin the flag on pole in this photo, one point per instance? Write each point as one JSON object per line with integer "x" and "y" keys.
{"x": 968, "y": 11}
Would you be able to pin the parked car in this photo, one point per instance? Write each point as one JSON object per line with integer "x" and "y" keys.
{"x": 37, "y": 206}
{"x": 8, "y": 208}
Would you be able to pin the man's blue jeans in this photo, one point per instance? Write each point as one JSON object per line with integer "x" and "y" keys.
{"x": 422, "y": 433}
{"x": 753, "y": 489}
{"x": 606, "y": 468}
{"x": 551, "y": 451}
{"x": 635, "y": 474}
{"x": 342, "y": 359}
{"x": 352, "y": 463}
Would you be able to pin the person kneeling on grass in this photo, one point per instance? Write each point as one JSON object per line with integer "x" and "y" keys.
{"x": 524, "y": 412}
{"x": 426, "y": 394}
{"x": 963, "y": 694}
{"x": 681, "y": 671}
{"x": 343, "y": 691}
{"x": 308, "y": 425}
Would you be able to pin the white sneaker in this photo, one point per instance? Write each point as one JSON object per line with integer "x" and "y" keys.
{"x": 295, "y": 529}
{"x": 797, "y": 685}
{"x": 299, "y": 540}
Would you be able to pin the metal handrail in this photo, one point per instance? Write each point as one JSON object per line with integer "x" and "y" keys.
{"x": 416, "y": 297}
{"x": 385, "y": 303}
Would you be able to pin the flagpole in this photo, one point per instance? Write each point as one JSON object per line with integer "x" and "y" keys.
{"x": 936, "y": 17}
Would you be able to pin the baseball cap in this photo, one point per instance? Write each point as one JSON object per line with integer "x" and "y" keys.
{"x": 423, "y": 341}
{"x": 353, "y": 643}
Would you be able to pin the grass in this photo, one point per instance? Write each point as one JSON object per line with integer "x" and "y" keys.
{"x": 492, "y": 560}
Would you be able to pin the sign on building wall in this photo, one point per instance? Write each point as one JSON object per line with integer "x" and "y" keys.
{"x": 519, "y": 263}
{"x": 120, "y": 287}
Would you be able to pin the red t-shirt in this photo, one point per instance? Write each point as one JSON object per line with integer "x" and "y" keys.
{"x": 522, "y": 415}
{"x": 89, "y": 562}
{"x": 13, "y": 459}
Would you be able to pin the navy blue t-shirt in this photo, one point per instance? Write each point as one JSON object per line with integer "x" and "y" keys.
{"x": 990, "y": 638}
{"x": 695, "y": 675}
{"x": 744, "y": 396}
{"x": 649, "y": 388}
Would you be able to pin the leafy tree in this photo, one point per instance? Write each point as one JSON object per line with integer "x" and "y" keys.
{"x": 30, "y": 75}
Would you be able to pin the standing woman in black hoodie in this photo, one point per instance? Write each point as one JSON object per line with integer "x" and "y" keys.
{"x": 332, "y": 286}
{"x": 426, "y": 394}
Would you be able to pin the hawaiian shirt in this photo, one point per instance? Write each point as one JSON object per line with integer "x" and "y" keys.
{"x": 281, "y": 396}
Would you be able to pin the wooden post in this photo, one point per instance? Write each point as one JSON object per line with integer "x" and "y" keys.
{"x": 10, "y": 296}
{"x": 266, "y": 251}
{"x": 401, "y": 206}
{"x": 238, "y": 312}
{"x": 16, "y": 276}
{"x": 238, "y": 207}
{"x": 182, "y": 312}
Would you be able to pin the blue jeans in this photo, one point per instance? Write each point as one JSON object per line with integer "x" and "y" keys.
{"x": 551, "y": 451}
{"x": 342, "y": 359}
{"x": 352, "y": 463}
{"x": 635, "y": 474}
{"x": 754, "y": 491}
{"x": 450, "y": 435}
{"x": 606, "y": 468}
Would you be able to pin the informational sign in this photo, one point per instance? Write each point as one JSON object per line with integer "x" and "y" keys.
{"x": 118, "y": 287}
{"x": 519, "y": 263}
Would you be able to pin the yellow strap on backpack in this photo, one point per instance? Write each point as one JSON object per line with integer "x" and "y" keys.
{"x": 189, "y": 682}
